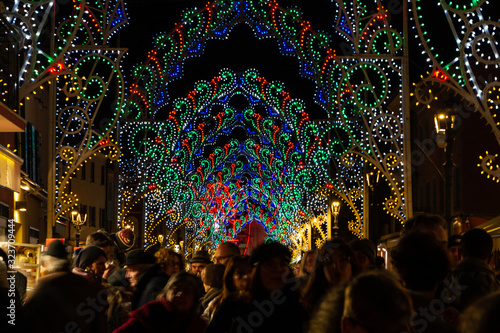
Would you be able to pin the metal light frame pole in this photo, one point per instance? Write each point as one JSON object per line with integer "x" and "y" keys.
{"x": 444, "y": 122}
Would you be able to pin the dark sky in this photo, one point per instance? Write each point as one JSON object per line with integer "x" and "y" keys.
{"x": 241, "y": 51}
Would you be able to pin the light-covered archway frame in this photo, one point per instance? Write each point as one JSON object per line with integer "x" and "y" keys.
{"x": 362, "y": 94}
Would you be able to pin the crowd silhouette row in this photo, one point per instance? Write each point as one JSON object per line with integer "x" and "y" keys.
{"x": 435, "y": 284}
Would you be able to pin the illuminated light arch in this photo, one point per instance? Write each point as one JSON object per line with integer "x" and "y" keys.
{"x": 79, "y": 66}
{"x": 358, "y": 92}
{"x": 469, "y": 69}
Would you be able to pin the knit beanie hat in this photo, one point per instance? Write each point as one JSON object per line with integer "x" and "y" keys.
{"x": 87, "y": 256}
{"x": 366, "y": 246}
{"x": 124, "y": 239}
{"x": 56, "y": 249}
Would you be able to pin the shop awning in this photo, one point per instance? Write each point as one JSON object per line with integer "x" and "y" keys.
{"x": 492, "y": 226}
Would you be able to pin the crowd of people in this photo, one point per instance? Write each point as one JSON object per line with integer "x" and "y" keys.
{"x": 435, "y": 284}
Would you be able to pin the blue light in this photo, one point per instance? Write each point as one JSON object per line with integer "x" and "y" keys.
{"x": 176, "y": 72}
{"x": 287, "y": 48}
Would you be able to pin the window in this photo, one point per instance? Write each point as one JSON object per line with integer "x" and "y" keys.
{"x": 83, "y": 211}
{"x": 102, "y": 219}
{"x": 84, "y": 167}
{"x": 103, "y": 175}
{"x": 4, "y": 210}
{"x": 92, "y": 216}
{"x": 92, "y": 172}
{"x": 34, "y": 235}
{"x": 30, "y": 152}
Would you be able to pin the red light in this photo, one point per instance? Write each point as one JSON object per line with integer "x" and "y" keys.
{"x": 57, "y": 68}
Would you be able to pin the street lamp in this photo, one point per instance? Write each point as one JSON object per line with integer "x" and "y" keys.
{"x": 78, "y": 222}
{"x": 160, "y": 239}
{"x": 335, "y": 212}
{"x": 444, "y": 122}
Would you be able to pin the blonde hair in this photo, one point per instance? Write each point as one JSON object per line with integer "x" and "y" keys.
{"x": 164, "y": 256}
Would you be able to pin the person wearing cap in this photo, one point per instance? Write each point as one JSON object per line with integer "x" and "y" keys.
{"x": 57, "y": 296}
{"x": 199, "y": 261}
{"x": 365, "y": 253}
{"x": 103, "y": 240}
{"x": 145, "y": 276}
{"x": 90, "y": 264}
{"x": 55, "y": 259}
{"x": 272, "y": 302}
{"x": 124, "y": 242}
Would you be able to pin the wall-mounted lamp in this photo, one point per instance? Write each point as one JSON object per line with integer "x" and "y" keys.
{"x": 21, "y": 206}
{"x": 25, "y": 186}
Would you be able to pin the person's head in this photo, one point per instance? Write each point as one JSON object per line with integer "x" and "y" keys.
{"x": 376, "y": 302}
{"x": 477, "y": 243}
{"x": 226, "y": 251}
{"x": 170, "y": 261}
{"x": 183, "y": 291}
{"x": 213, "y": 276}
{"x": 454, "y": 249}
{"x": 100, "y": 239}
{"x": 307, "y": 263}
{"x": 55, "y": 259}
{"x": 421, "y": 261}
{"x": 199, "y": 261}
{"x": 482, "y": 316}
{"x": 434, "y": 224}
{"x": 137, "y": 263}
{"x": 237, "y": 275}
{"x": 270, "y": 266}
{"x": 92, "y": 259}
{"x": 124, "y": 239}
{"x": 336, "y": 262}
{"x": 365, "y": 253}
{"x": 335, "y": 265}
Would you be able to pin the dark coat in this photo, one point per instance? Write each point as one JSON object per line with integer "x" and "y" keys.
{"x": 148, "y": 287}
{"x": 159, "y": 316}
{"x": 279, "y": 311}
{"x": 65, "y": 301}
{"x": 205, "y": 300}
{"x": 474, "y": 279}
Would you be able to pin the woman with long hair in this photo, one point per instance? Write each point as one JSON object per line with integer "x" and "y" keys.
{"x": 335, "y": 265}
{"x": 235, "y": 284}
{"x": 176, "y": 309}
{"x": 272, "y": 302}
